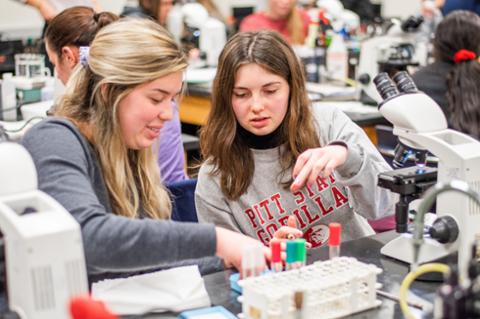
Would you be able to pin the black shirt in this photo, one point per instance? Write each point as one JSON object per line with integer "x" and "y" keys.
{"x": 432, "y": 80}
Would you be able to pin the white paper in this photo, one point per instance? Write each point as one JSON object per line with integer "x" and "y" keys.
{"x": 352, "y": 106}
{"x": 176, "y": 290}
{"x": 331, "y": 90}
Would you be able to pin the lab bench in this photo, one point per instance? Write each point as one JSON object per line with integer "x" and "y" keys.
{"x": 366, "y": 249}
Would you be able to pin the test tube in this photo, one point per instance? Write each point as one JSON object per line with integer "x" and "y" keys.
{"x": 334, "y": 240}
{"x": 276, "y": 262}
{"x": 253, "y": 261}
{"x": 299, "y": 300}
{"x": 290, "y": 261}
{"x": 301, "y": 252}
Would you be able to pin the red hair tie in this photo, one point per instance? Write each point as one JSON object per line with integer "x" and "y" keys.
{"x": 463, "y": 55}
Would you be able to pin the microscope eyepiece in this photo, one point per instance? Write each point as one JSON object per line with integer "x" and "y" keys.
{"x": 404, "y": 82}
{"x": 385, "y": 87}
{"x": 412, "y": 23}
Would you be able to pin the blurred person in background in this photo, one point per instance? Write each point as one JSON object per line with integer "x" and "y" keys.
{"x": 282, "y": 16}
{"x": 453, "y": 80}
{"x": 50, "y": 8}
{"x": 448, "y": 6}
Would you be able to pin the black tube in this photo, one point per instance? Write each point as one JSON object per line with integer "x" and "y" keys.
{"x": 385, "y": 87}
{"x": 404, "y": 82}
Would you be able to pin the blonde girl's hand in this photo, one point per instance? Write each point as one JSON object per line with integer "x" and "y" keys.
{"x": 317, "y": 162}
{"x": 290, "y": 231}
{"x": 231, "y": 245}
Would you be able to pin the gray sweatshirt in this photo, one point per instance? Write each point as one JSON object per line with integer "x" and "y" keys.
{"x": 349, "y": 197}
{"x": 69, "y": 171}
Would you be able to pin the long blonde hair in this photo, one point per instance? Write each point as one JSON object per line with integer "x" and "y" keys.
{"x": 220, "y": 141}
{"x": 122, "y": 56}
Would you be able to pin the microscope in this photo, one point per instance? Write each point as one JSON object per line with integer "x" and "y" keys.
{"x": 420, "y": 125}
{"x": 192, "y": 26}
{"x": 44, "y": 257}
{"x": 399, "y": 48}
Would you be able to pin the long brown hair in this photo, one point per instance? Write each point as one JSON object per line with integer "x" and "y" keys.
{"x": 220, "y": 142}
{"x": 461, "y": 30}
{"x": 76, "y": 26}
{"x": 123, "y": 55}
{"x": 295, "y": 27}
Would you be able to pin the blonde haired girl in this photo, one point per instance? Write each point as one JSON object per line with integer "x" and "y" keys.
{"x": 95, "y": 156}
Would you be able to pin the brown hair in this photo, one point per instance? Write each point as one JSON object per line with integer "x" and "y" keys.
{"x": 461, "y": 30}
{"x": 220, "y": 142}
{"x": 151, "y": 7}
{"x": 76, "y": 26}
{"x": 295, "y": 27}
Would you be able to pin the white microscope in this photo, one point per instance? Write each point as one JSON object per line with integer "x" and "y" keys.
{"x": 212, "y": 32}
{"x": 420, "y": 124}
{"x": 400, "y": 47}
{"x": 44, "y": 257}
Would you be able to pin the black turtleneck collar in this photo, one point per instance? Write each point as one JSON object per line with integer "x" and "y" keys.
{"x": 263, "y": 142}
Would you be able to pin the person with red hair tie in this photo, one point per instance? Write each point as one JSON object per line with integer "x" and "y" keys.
{"x": 453, "y": 80}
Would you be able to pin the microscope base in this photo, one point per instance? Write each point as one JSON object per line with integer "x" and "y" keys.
{"x": 401, "y": 248}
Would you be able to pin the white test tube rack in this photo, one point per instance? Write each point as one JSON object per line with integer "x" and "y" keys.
{"x": 330, "y": 289}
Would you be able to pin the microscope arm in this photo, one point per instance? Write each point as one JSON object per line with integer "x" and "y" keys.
{"x": 452, "y": 148}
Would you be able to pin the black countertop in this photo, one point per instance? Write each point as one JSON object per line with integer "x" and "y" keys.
{"x": 366, "y": 250}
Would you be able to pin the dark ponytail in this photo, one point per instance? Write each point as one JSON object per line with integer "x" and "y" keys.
{"x": 460, "y": 30}
{"x": 463, "y": 97}
{"x": 76, "y": 26}
{"x": 104, "y": 18}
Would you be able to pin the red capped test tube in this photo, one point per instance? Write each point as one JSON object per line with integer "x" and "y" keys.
{"x": 334, "y": 240}
{"x": 276, "y": 262}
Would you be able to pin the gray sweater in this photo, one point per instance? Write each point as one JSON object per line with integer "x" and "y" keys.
{"x": 69, "y": 171}
{"x": 349, "y": 197}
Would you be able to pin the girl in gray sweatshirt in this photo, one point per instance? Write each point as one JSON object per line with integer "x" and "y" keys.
{"x": 274, "y": 167}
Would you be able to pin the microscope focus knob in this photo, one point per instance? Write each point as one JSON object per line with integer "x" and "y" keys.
{"x": 444, "y": 230}
{"x": 364, "y": 78}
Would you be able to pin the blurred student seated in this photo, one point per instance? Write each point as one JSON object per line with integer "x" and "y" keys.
{"x": 453, "y": 80}
{"x": 282, "y": 16}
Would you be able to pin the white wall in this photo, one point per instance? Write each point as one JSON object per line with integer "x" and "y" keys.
{"x": 21, "y": 21}
{"x": 400, "y": 9}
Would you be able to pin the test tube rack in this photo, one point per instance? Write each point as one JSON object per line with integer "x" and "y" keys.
{"x": 327, "y": 289}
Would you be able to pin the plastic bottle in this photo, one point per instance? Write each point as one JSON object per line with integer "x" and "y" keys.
{"x": 337, "y": 58}
{"x": 311, "y": 40}
{"x": 9, "y": 98}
